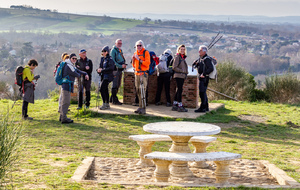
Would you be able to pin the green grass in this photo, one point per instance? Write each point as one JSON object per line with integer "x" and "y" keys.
{"x": 53, "y": 151}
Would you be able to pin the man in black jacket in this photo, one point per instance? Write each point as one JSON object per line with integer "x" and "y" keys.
{"x": 86, "y": 65}
{"x": 205, "y": 67}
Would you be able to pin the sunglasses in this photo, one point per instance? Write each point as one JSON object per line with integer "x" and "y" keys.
{"x": 138, "y": 45}
{"x": 103, "y": 51}
{"x": 74, "y": 58}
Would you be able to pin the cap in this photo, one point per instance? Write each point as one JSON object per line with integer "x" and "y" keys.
{"x": 105, "y": 48}
{"x": 82, "y": 50}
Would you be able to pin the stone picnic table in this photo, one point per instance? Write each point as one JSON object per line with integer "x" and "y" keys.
{"x": 181, "y": 132}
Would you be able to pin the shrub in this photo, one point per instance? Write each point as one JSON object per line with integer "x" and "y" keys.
{"x": 283, "y": 89}
{"x": 53, "y": 94}
{"x": 10, "y": 133}
{"x": 233, "y": 81}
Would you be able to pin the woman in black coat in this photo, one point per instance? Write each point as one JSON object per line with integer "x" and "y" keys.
{"x": 105, "y": 71}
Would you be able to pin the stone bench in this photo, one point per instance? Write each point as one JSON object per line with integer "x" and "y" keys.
{"x": 162, "y": 161}
{"x": 146, "y": 141}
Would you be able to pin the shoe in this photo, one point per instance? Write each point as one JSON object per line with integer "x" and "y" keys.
{"x": 138, "y": 110}
{"x": 27, "y": 118}
{"x": 59, "y": 117}
{"x": 206, "y": 109}
{"x": 68, "y": 120}
{"x": 87, "y": 107}
{"x": 175, "y": 108}
{"x": 169, "y": 104}
{"x": 158, "y": 103}
{"x": 117, "y": 103}
{"x": 104, "y": 106}
{"x": 135, "y": 104}
{"x": 182, "y": 109}
{"x": 79, "y": 108}
{"x": 199, "y": 110}
{"x": 142, "y": 111}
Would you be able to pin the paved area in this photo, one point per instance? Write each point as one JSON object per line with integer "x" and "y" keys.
{"x": 157, "y": 111}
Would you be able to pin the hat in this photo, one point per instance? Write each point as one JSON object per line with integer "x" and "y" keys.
{"x": 82, "y": 50}
{"x": 105, "y": 48}
{"x": 72, "y": 55}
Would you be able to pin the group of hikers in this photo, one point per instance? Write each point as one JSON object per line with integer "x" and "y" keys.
{"x": 111, "y": 69}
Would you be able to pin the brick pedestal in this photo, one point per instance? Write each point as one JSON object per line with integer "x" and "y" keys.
{"x": 190, "y": 95}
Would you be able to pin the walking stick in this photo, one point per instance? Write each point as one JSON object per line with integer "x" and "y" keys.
{"x": 143, "y": 97}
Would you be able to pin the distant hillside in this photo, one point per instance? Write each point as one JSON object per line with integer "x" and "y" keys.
{"x": 212, "y": 18}
{"x": 46, "y": 20}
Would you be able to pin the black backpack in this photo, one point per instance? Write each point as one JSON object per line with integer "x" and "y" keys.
{"x": 19, "y": 76}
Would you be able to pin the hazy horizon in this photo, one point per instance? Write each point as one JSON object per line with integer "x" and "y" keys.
{"x": 270, "y": 8}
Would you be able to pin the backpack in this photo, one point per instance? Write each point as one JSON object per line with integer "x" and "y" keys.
{"x": 162, "y": 66}
{"x": 154, "y": 60}
{"x": 59, "y": 79}
{"x": 19, "y": 76}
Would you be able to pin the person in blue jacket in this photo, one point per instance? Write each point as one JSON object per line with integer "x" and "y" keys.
{"x": 72, "y": 72}
{"x": 105, "y": 71}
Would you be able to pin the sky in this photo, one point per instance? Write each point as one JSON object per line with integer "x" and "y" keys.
{"x": 271, "y": 8}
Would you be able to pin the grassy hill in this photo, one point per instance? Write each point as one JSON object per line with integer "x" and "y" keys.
{"x": 52, "y": 151}
{"x": 46, "y": 21}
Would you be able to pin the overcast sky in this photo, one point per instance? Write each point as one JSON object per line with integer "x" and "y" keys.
{"x": 271, "y": 8}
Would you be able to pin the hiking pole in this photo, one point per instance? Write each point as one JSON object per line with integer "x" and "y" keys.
{"x": 213, "y": 39}
{"x": 98, "y": 93}
{"x": 215, "y": 42}
{"x": 142, "y": 92}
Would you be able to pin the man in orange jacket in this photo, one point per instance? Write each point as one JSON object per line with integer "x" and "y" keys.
{"x": 141, "y": 63}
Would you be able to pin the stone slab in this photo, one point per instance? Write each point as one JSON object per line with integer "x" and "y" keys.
{"x": 156, "y": 111}
{"x": 82, "y": 171}
{"x": 193, "y": 157}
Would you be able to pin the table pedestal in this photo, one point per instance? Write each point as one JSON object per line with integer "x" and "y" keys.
{"x": 180, "y": 145}
{"x": 145, "y": 148}
{"x": 200, "y": 148}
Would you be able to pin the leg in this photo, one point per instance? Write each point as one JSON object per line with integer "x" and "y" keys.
{"x": 145, "y": 148}
{"x": 222, "y": 172}
{"x": 202, "y": 94}
{"x": 161, "y": 172}
{"x": 167, "y": 88}
{"x": 66, "y": 97}
{"x": 24, "y": 109}
{"x": 159, "y": 88}
{"x": 59, "y": 100}
{"x": 80, "y": 94}
{"x": 200, "y": 148}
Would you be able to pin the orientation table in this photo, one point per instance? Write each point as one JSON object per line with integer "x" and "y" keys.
{"x": 181, "y": 132}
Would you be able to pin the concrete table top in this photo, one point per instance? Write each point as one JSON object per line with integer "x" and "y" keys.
{"x": 182, "y": 128}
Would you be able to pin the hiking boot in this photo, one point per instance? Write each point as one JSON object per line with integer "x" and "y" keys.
{"x": 138, "y": 110}
{"x": 104, "y": 106}
{"x": 142, "y": 111}
{"x": 169, "y": 104}
{"x": 175, "y": 108}
{"x": 59, "y": 117}
{"x": 68, "y": 120}
{"x": 87, "y": 107}
{"x": 199, "y": 110}
{"x": 135, "y": 104}
{"x": 117, "y": 103}
{"x": 158, "y": 103}
{"x": 182, "y": 109}
{"x": 27, "y": 118}
{"x": 79, "y": 108}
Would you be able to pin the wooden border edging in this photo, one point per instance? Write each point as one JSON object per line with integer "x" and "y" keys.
{"x": 84, "y": 168}
{"x": 280, "y": 175}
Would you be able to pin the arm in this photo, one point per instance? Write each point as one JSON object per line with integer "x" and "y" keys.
{"x": 90, "y": 70}
{"x": 208, "y": 66}
{"x": 113, "y": 54}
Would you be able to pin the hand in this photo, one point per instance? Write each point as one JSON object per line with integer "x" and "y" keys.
{"x": 87, "y": 67}
{"x": 124, "y": 66}
{"x": 201, "y": 76}
{"x": 36, "y": 77}
{"x": 99, "y": 70}
{"x": 87, "y": 77}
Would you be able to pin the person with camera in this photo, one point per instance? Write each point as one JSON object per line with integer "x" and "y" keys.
{"x": 117, "y": 56}
{"x": 71, "y": 72}
{"x": 105, "y": 70}
{"x": 28, "y": 87}
{"x": 86, "y": 65}
{"x": 204, "y": 66}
